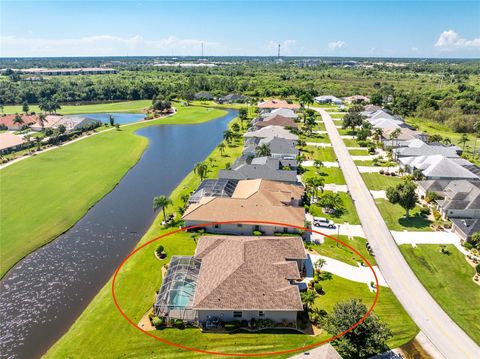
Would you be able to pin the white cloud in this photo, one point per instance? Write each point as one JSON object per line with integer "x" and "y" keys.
{"x": 102, "y": 45}
{"x": 336, "y": 45}
{"x": 414, "y": 49}
{"x": 451, "y": 41}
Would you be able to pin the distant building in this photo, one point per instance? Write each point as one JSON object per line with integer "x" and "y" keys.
{"x": 277, "y": 104}
{"x": 272, "y": 131}
{"x": 67, "y": 71}
{"x": 438, "y": 167}
{"x": 285, "y": 112}
{"x": 277, "y": 120}
{"x": 204, "y": 96}
{"x": 72, "y": 123}
{"x": 356, "y": 99}
{"x": 9, "y": 121}
{"x": 328, "y": 99}
{"x": 50, "y": 122}
{"x": 10, "y": 142}
{"x": 232, "y": 98}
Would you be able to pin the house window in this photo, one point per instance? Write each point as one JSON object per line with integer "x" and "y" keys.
{"x": 240, "y": 225}
{"x": 256, "y": 228}
{"x": 285, "y": 229}
{"x": 216, "y": 226}
{"x": 237, "y": 314}
{"x": 261, "y": 314}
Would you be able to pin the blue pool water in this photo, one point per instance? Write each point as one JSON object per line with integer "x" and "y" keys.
{"x": 181, "y": 297}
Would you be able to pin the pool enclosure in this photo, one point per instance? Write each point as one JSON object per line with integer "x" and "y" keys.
{"x": 175, "y": 297}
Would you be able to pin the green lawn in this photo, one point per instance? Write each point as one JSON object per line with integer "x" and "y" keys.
{"x": 448, "y": 278}
{"x": 325, "y": 154}
{"x": 113, "y": 337}
{"x": 351, "y": 142}
{"x": 320, "y": 126}
{"x": 337, "y": 115}
{"x": 335, "y": 250}
{"x": 378, "y": 182}
{"x": 329, "y": 174}
{"x": 394, "y": 216}
{"x": 316, "y": 137}
{"x": 37, "y": 208}
{"x": 367, "y": 163}
{"x": 358, "y": 152}
{"x": 126, "y": 106}
{"x": 348, "y": 215}
{"x": 388, "y": 308}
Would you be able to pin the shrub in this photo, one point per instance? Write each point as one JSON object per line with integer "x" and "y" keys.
{"x": 160, "y": 252}
{"x": 257, "y": 233}
{"x": 158, "y": 322}
{"x": 318, "y": 288}
{"x": 437, "y": 215}
{"x": 381, "y": 172}
{"x": 230, "y": 326}
{"x": 477, "y": 268}
{"x": 467, "y": 245}
{"x": 425, "y": 211}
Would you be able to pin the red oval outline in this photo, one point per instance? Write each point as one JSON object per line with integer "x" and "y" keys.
{"x": 286, "y": 351}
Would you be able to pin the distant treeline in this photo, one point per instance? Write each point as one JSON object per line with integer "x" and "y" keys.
{"x": 446, "y": 91}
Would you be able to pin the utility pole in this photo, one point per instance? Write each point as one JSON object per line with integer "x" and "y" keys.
{"x": 202, "y": 49}
{"x": 278, "y": 54}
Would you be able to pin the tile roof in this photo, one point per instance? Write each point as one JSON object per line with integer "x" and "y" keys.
{"x": 252, "y": 171}
{"x": 8, "y": 140}
{"x": 279, "y": 145}
{"x": 256, "y": 200}
{"x": 277, "y": 120}
{"x": 285, "y": 112}
{"x": 278, "y": 104}
{"x": 7, "y": 120}
{"x": 248, "y": 273}
{"x": 440, "y": 167}
{"x": 418, "y": 149}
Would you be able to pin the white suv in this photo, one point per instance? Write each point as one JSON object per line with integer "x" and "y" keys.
{"x": 323, "y": 222}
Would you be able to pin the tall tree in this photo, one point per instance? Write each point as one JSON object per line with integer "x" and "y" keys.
{"x": 41, "y": 120}
{"x": 403, "y": 194}
{"x": 366, "y": 340}
{"x": 243, "y": 115}
{"x": 352, "y": 120}
{"x": 263, "y": 150}
{"x": 221, "y": 147}
{"x": 464, "y": 139}
{"x": 308, "y": 298}
{"x": 201, "y": 170}
{"x": 25, "y": 107}
{"x": 161, "y": 202}
{"x": 228, "y": 136}
{"x": 18, "y": 120}
{"x": 476, "y": 129}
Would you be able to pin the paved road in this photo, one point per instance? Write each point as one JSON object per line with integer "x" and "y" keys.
{"x": 444, "y": 334}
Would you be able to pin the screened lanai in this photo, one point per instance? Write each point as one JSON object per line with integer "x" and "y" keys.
{"x": 175, "y": 297}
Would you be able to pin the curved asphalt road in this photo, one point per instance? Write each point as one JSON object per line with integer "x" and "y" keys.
{"x": 443, "y": 333}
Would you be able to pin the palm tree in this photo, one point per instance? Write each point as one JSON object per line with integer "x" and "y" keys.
{"x": 446, "y": 141}
{"x": 319, "y": 264}
{"x": 318, "y": 164}
{"x": 41, "y": 120}
{"x": 236, "y": 127}
{"x": 464, "y": 139}
{"x": 394, "y": 135}
{"x": 308, "y": 298}
{"x": 377, "y": 134}
{"x": 263, "y": 150}
{"x": 228, "y": 136}
{"x": 315, "y": 183}
{"x": 221, "y": 147}
{"x": 18, "y": 120}
{"x": 161, "y": 202}
{"x": 201, "y": 169}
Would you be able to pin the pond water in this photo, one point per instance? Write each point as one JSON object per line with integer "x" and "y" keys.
{"x": 121, "y": 118}
{"x": 43, "y": 294}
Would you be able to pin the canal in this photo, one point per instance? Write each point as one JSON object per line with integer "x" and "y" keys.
{"x": 44, "y": 293}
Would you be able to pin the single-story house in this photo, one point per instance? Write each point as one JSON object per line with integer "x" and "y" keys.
{"x": 49, "y": 122}
{"x": 281, "y": 148}
{"x": 220, "y": 187}
{"x": 370, "y": 109}
{"x": 465, "y": 228}
{"x": 440, "y": 167}
{"x": 10, "y": 142}
{"x": 461, "y": 199}
{"x": 285, "y": 112}
{"x": 406, "y": 134}
{"x": 72, "y": 123}
{"x": 260, "y": 169}
{"x": 356, "y": 99}
{"x": 270, "y": 132}
{"x": 420, "y": 148}
{"x": 277, "y": 120}
{"x": 276, "y": 104}
{"x": 232, "y": 98}
{"x": 9, "y": 121}
{"x": 252, "y": 200}
{"x": 378, "y": 115}
{"x": 203, "y": 96}
{"x": 235, "y": 279}
{"x": 435, "y": 186}
{"x": 328, "y": 99}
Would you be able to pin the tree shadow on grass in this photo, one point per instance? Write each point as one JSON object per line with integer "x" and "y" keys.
{"x": 416, "y": 221}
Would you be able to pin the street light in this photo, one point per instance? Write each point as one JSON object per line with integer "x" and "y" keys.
{"x": 338, "y": 234}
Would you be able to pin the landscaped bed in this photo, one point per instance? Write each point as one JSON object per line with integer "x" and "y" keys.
{"x": 335, "y": 250}
{"x": 347, "y": 215}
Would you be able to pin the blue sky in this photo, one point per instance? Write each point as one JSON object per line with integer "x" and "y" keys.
{"x": 314, "y": 28}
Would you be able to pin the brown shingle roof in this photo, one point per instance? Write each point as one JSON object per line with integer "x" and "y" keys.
{"x": 253, "y": 200}
{"x": 277, "y": 120}
{"x": 248, "y": 273}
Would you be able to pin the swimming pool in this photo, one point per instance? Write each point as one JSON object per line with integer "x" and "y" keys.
{"x": 182, "y": 294}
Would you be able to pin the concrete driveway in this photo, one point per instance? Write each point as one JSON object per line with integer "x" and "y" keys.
{"x": 447, "y": 337}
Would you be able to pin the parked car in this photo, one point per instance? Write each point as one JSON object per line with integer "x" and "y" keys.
{"x": 323, "y": 222}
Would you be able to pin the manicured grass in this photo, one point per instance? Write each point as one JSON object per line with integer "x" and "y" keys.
{"x": 358, "y": 152}
{"x": 351, "y": 142}
{"x": 44, "y": 195}
{"x": 394, "y": 216}
{"x": 320, "y": 126}
{"x": 378, "y": 182}
{"x": 348, "y": 215}
{"x": 316, "y": 137}
{"x": 112, "y": 336}
{"x": 329, "y": 174}
{"x": 218, "y": 105}
{"x": 325, "y": 154}
{"x": 126, "y": 106}
{"x": 335, "y": 250}
{"x": 388, "y": 308}
{"x": 337, "y": 115}
{"x": 448, "y": 278}
{"x": 368, "y": 163}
